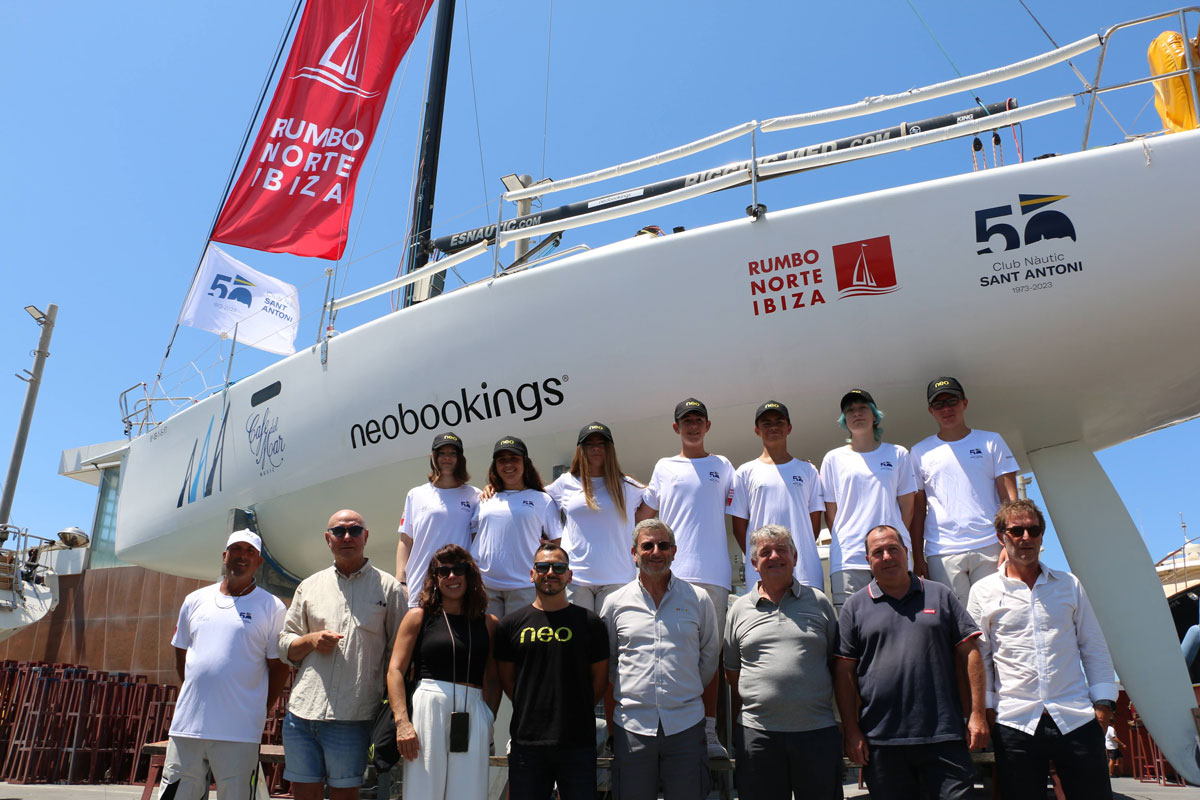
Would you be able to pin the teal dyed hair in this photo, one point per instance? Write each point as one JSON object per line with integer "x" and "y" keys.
{"x": 875, "y": 412}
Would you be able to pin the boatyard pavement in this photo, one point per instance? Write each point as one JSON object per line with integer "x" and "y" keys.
{"x": 1123, "y": 789}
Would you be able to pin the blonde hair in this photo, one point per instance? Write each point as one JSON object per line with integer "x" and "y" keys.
{"x": 614, "y": 478}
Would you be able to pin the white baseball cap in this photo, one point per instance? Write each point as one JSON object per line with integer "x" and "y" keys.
{"x": 245, "y": 535}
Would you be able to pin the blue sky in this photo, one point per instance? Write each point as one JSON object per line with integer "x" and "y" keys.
{"x": 124, "y": 119}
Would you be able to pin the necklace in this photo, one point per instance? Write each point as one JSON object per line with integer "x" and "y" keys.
{"x": 233, "y": 597}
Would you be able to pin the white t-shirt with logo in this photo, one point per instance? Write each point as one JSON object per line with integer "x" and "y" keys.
{"x": 959, "y": 479}
{"x": 434, "y": 518}
{"x": 228, "y": 641}
{"x": 690, "y": 495}
{"x": 597, "y": 540}
{"x": 865, "y": 487}
{"x": 780, "y": 494}
{"x": 509, "y": 529}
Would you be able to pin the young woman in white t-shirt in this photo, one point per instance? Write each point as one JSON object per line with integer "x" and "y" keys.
{"x": 436, "y": 513}
{"x": 510, "y": 524}
{"x": 599, "y": 501}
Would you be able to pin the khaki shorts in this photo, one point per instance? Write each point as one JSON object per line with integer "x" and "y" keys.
{"x": 961, "y": 571}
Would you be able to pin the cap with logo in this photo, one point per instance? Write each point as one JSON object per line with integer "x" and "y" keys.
{"x": 512, "y": 444}
{"x": 595, "y": 427}
{"x": 447, "y": 438}
{"x": 944, "y": 385}
{"x": 856, "y": 396}
{"x": 245, "y": 535}
{"x": 772, "y": 405}
{"x": 688, "y": 406}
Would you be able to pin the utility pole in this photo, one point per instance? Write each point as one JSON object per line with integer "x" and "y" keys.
{"x": 46, "y": 321}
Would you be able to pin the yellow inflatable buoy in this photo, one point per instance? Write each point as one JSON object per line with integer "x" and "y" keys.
{"x": 1173, "y": 97}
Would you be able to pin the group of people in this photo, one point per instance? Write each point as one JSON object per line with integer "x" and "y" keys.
{"x": 942, "y": 630}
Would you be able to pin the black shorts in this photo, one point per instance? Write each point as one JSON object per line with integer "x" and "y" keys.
{"x": 1114, "y": 755}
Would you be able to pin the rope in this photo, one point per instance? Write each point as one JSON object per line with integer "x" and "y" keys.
{"x": 546, "y": 101}
{"x": 475, "y": 101}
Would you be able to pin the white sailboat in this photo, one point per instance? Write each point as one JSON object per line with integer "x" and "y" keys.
{"x": 1058, "y": 335}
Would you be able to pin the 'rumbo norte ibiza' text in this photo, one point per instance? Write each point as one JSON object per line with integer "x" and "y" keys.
{"x": 320, "y": 153}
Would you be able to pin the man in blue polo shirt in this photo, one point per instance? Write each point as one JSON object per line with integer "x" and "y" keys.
{"x": 894, "y": 679}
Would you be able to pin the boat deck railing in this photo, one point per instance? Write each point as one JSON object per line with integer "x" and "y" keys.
{"x": 19, "y": 564}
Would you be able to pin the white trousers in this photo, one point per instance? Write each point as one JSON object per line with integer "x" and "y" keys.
{"x": 437, "y": 773}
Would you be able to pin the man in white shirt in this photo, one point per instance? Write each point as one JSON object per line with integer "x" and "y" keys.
{"x": 778, "y": 489}
{"x": 665, "y": 649}
{"x": 226, "y": 657}
{"x": 963, "y": 475}
{"x": 1051, "y": 688}
{"x": 688, "y": 492}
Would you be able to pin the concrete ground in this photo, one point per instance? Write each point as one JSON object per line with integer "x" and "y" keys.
{"x": 1124, "y": 789}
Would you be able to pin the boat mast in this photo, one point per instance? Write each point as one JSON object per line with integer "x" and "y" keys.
{"x": 427, "y": 161}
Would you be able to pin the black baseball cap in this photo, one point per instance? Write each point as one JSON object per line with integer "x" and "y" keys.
{"x": 772, "y": 405}
{"x": 510, "y": 443}
{"x": 856, "y": 396}
{"x": 447, "y": 438}
{"x": 595, "y": 427}
{"x": 944, "y": 385}
{"x": 688, "y": 406}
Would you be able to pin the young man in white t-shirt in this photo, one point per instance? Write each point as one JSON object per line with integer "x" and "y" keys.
{"x": 225, "y": 652}
{"x": 689, "y": 492}
{"x": 777, "y": 488}
{"x": 866, "y": 483}
{"x": 963, "y": 476}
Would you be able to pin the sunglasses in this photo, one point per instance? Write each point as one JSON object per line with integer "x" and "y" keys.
{"x": 354, "y": 531}
{"x": 446, "y": 570}
{"x": 948, "y": 403}
{"x": 648, "y": 547}
{"x": 1019, "y": 531}
{"x": 543, "y": 567}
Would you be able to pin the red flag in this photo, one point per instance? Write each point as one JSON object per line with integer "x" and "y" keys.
{"x": 296, "y": 190}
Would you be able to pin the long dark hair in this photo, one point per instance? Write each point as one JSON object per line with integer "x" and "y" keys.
{"x": 531, "y": 477}
{"x": 475, "y": 600}
{"x": 460, "y": 468}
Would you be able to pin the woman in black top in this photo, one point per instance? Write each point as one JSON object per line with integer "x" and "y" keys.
{"x": 447, "y": 640}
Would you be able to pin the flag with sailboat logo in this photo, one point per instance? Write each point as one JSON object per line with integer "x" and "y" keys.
{"x": 296, "y": 189}
{"x": 228, "y": 293}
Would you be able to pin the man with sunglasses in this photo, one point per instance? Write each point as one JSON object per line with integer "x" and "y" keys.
{"x": 1051, "y": 688}
{"x": 963, "y": 475}
{"x": 665, "y": 646}
{"x": 552, "y": 657}
{"x": 339, "y": 633}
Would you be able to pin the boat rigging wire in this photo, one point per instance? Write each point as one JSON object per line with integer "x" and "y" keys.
{"x": 475, "y": 101}
{"x": 212, "y": 226}
{"x": 1074, "y": 69}
{"x": 546, "y": 98}
{"x": 938, "y": 42}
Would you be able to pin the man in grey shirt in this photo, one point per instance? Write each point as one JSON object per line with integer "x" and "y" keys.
{"x": 339, "y": 631}
{"x": 665, "y": 646}
{"x": 779, "y": 642}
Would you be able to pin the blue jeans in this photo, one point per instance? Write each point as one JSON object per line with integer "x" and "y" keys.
{"x": 1191, "y": 645}
{"x": 329, "y": 752}
{"x": 533, "y": 772}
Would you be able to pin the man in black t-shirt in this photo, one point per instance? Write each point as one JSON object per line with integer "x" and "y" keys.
{"x": 553, "y": 662}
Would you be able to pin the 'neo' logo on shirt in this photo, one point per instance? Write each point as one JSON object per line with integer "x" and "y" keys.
{"x": 545, "y": 634}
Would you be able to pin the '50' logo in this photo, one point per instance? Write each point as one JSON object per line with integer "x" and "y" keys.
{"x": 1050, "y": 224}
{"x": 238, "y": 293}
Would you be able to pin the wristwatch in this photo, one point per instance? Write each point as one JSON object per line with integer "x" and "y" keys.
{"x": 1109, "y": 704}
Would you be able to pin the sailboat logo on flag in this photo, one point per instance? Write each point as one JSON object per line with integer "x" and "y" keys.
{"x": 227, "y": 293}
{"x": 865, "y": 267}
{"x": 338, "y": 67}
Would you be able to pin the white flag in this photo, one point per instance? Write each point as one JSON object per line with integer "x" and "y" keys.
{"x": 228, "y": 293}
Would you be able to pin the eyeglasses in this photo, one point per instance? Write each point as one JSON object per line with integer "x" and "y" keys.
{"x": 938, "y": 405}
{"x": 648, "y": 547}
{"x": 354, "y": 531}
{"x": 446, "y": 570}
{"x": 1019, "y": 531}
{"x": 544, "y": 567}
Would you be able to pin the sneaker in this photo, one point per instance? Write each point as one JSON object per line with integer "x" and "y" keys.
{"x": 715, "y": 748}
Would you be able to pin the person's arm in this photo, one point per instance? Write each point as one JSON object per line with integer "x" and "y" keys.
{"x": 907, "y": 504}
{"x": 816, "y": 524}
{"x": 644, "y": 512}
{"x": 403, "y": 550}
{"x": 491, "y": 679}
{"x": 739, "y": 533}
{"x": 735, "y": 697}
{"x": 402, "y": 653}
{"x": 181, "y": 662}
{"x": 599, "y": 680}
{"x": 277, "y": 675}
{"x": 830, "y": 515}
{"x": 845, "y": 691}
{"x": 1006, "y": 486}
{"x": 967, "y": 653}
{"x": 506, "y": 671}
{"x": 917, "y": 532}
